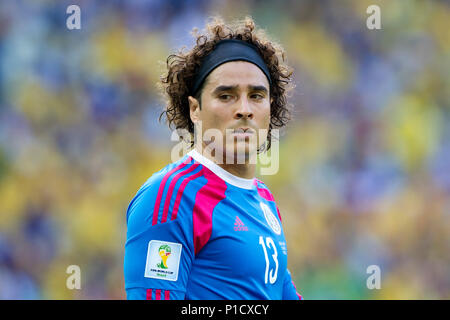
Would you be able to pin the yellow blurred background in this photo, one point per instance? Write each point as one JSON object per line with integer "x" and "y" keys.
{"x": 364, "y": 173}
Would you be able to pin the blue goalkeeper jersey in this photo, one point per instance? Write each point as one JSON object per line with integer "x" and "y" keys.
{"x": 197, "y": 232}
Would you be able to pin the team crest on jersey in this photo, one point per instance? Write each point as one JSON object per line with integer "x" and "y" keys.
{"x": 163, "y": 260}
{"x": 272, "y": 221}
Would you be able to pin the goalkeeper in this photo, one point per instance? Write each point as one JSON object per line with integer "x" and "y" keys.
{"x": 203, "y": 227}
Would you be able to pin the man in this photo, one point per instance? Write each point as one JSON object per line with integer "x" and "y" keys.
{"x": 204, "y": 227}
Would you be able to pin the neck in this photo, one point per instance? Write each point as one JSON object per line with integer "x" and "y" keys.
{"x": 245, "y": 170}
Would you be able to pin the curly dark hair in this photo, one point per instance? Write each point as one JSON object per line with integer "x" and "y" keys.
{"x": 182, "y": 67}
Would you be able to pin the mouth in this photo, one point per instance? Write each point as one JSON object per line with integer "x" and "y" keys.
{"x": 245, "y": 131}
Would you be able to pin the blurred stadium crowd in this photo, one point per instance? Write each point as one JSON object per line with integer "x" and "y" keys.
{"x": 364, "y": 173}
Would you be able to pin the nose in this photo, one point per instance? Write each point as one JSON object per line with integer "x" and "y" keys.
{"x": 244, "y": 110}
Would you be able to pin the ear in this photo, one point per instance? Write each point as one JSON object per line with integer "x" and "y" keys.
{"x": 194, "y": 109}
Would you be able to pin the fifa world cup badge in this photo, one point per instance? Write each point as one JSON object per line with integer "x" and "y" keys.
{"x": 163, "y": 260}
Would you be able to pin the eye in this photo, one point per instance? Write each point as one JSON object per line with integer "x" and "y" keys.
{"x": 257, "y": 96}
{"x": 225, "y": 97}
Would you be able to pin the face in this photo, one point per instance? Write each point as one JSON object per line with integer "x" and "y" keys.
{"x": 235, "y": 101}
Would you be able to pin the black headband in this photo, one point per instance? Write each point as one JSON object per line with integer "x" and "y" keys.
{"x": 226, "y": 51}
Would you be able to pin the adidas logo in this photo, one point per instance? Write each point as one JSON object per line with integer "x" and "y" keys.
{"x": 239, "y": 225}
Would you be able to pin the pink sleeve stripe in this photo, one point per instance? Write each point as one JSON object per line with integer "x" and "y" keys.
{"x": 298, "y": 295}
{"x": 279, "y": 215}
{"x": 265, "y": 194}
{"x": 171, "y": 187}
{"x": 158, "y": 294}
{"x": 161, "y": 189}
{"x": 180, "y": 191}
{"x": 205, "y": 201}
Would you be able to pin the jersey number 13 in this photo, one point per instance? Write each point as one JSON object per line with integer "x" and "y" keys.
{"x": 271, "y": 274}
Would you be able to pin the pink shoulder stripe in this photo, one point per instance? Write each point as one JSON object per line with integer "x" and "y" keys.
{"x": 171, "y": 187}
{"x": 205, "y": 201}
{"x": 265, "y": 194}
{"x": 180, "y": 191}
{"x": 161, "y": 189}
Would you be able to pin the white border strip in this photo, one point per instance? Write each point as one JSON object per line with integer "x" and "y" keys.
{"x": 222, "y": 173}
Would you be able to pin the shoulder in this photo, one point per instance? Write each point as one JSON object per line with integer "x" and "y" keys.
{"x": 154, "y": 196}
{"x": 147, "y": 193}
{"x": 263, "y": 190}
{"x": 266, "y": 194}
